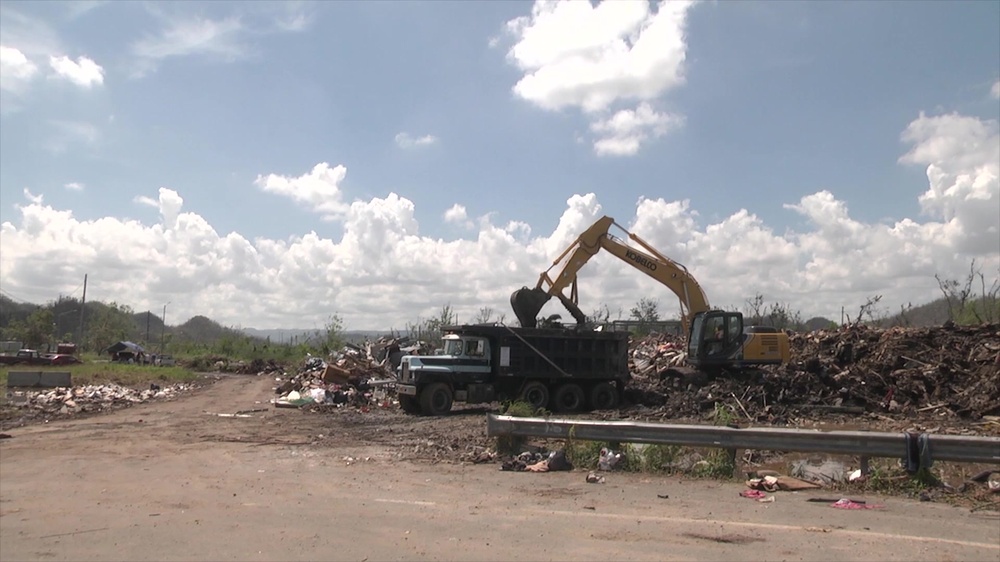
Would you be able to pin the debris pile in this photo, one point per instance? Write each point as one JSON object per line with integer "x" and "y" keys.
{"x": 537, "y": 462}
{"x": 656, "y": 353}
{"x": 945, "y": 371}
{"x": 91, "y": 398}
{"x": 357, "y": 376}
{"x": 257, "y": 367}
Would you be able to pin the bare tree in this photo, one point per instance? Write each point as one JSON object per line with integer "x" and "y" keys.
{"x": 962, "y": 306}
{"x": 753, "y": 308}
{"x": 484, "y": 316}
{"x": 866, "y": 309}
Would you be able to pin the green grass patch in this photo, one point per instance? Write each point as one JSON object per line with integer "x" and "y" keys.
{"x": 124, "y": 374}
{"x": 513, "y": 444}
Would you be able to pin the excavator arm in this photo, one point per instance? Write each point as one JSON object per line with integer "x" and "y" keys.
{"x": 527, "y": 303}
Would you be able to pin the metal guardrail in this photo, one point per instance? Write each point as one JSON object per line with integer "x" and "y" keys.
{"x": 954, "y": 448}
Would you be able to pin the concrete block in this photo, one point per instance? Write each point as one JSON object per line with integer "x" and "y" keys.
{"x": 46, "y": 379}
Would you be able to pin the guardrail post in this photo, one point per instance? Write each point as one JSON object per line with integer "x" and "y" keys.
{"x": 865, "y": 468}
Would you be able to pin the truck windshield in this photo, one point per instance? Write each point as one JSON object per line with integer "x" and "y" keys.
{"x": 453, "y": 347}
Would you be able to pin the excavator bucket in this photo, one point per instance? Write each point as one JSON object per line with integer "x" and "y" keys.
{"x": 527, "y": 303}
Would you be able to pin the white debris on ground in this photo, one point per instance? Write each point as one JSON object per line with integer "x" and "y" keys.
{"x": 91, "y": 398}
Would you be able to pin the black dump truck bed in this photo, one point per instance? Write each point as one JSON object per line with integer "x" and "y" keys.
{"x": 554, "y": 353}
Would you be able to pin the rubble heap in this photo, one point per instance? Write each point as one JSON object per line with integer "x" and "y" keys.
{"x": 92, "y": 398}
{"x": 655, "y": 353}
{"x": 947, "y": 370}
{"x": 357, "y": 375}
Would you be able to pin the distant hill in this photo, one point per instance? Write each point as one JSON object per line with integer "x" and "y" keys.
{"x": 933, "y": 313}
{"x": 301, "y": 335}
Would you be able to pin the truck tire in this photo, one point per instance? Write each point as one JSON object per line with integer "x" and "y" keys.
{"x": 435, "y": 399}
{"x": 569, "y": 398}
{"x": 409, "y": 404}
{"x": 536, "y": 394}
{"x": 604, "y": 396}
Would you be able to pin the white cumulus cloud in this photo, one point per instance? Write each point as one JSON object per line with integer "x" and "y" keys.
{"x": 623, "y": 133}
{"x": 592, "y": 57}
{"x": 995, "y": 90}
{"x": 83, "y": 72}
{"x": 74, "y": 186}
{"x": 318, "y": 189}
{"x": 15, "y": 69}
{"x": 378, "y": 271}
{"x": 406, "y": 140}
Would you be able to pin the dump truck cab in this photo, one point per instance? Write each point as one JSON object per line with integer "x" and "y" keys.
{"x": 430, "y": 383}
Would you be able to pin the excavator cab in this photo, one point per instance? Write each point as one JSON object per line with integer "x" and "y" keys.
{"x": 716, "y": 338}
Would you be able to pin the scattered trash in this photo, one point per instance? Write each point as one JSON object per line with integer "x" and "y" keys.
{"x": 594, "y": 478}
{"x": 608, "y": 459}
{"x": 538, "y": 462}
{"x": 753, "y": 494}
{"x": 855, "y": 476}
{"x": 780, "y": 483}
{"x": 92, "y": 398}
{"x": 355, "y": 376}
{"x": 663, "y": 496}
{"x": 825, "y": 472}
{"x": 845, "y": 503}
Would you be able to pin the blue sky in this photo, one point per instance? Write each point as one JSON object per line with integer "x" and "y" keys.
{"x": 778, "y": 147}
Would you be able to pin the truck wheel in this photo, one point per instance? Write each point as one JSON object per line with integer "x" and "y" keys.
{"x": 569, "y": 398}
{"x": 536, "y": 394}
{"x": 409, "y": 404}
{"x": 435, "y": 400}
{"x": 604, "y": 396}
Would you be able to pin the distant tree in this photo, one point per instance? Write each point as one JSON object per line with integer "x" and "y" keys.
{"x": 646, "y": 311}
{"x": 600, "y": 316}
{"x": 109, "y": 324}
{"x": 34, "y": 331}
{"x": 484, "y": 316}
{"x": 333, "y": 337}
{"x": 866, "y": 310}
{"x": 753, "y": 309}
{"x": 963, "y": 308}
{"x": 429, "y": 330}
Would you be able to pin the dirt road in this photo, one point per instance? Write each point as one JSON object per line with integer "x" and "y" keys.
{"x": 172, "y": 481}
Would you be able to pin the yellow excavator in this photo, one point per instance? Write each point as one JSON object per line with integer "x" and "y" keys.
{"x": 716, "y": 339}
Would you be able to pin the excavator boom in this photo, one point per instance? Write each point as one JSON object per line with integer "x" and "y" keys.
{"x": 527, "y": 303}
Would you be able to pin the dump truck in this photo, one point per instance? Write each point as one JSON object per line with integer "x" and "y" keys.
{"x": 717, "y": 340}
{"x": 562, "y": 369}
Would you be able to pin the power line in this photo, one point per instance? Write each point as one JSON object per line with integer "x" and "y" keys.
{"x": 12, "y": 297}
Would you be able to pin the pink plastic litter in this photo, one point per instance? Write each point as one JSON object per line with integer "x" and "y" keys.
{"x": 753, "y": 494}
{"x": 848, "y": 504}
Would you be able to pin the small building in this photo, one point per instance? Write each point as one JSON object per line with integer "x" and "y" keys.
{"x": 126, "y": 352}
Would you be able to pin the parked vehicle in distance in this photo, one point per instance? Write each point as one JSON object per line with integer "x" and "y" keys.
{"x": 165, "y": 360}
{"x": 63, "y": 359}
{"x": 24, "y": 357}
{"x": 32, "y": 357}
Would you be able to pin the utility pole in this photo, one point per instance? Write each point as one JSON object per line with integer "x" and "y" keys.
{"x": 163, "y": 332}
{"x": 83, "y": 308}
